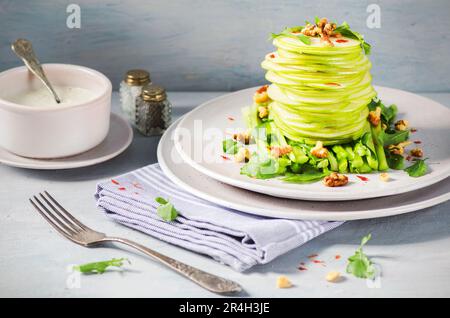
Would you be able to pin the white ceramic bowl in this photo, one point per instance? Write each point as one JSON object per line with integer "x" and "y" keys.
{"x": 54, "y": 131}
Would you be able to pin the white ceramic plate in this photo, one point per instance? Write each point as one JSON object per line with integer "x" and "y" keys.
{"x": 202, "y": 148}
{"x": 118, "y": 139}
{"x": 223, "y": 194}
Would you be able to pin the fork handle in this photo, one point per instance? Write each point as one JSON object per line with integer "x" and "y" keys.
{"x": 206, "y": 280}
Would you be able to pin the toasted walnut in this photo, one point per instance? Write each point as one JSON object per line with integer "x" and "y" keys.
{"x": 283, "y": 282}
{"x": 401, "y": 124}
{"x": 384, "y": 177}
{"x": 396, "y": 150}
{"x": 416, "y": 152}
{"x": 277, "y": 152}
{"x": 263, "y": 112}
{"x": 375, "y": 116}
{"x": 243, "y": 155}
{"x": 261, "y": 98}
{"x": 323, "y": 28}
{"x": 243, "y": 137}
{"x": 335, "y": 180}
{"x": 322, "y": 22}
{"x": 319, "y": 150}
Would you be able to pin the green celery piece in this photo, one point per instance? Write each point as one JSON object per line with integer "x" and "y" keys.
{"x": 365, "y": 168}
{"x": 230, "y": 146}
{"x": 250, "y": 114}
{"x": 354, "y": 158}
{"x": 371, "y": 155}
{"x": 299, "y": 155}
{"x": 341, "y": 155}
{"x": 378, "y": 142}
{"x": 333, "y": 161}
{"x": 323, "y": 164}
{"x": 99, "y": 267}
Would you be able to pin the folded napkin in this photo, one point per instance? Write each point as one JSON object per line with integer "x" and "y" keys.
{"x": 231, "y": 237}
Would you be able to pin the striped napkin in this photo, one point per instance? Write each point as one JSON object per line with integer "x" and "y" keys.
{"x": 230, "y": 237}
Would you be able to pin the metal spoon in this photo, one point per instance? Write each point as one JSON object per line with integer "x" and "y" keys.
{"x": 24, "y": 50}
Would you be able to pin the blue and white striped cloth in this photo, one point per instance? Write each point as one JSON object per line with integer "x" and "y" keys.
{"x": 231, "y": 237}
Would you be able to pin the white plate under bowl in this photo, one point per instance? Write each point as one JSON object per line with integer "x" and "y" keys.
{"x": 200, "y": 133}
{"x": 118, "y": 139}
{"x": 226, "y": 195}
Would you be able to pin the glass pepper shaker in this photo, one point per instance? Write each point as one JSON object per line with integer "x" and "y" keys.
{"x": 130, "y": 88}
{"x": 153, "y": 111}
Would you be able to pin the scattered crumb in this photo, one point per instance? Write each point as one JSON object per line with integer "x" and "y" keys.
{"x": 333, "y": 277}
{"x": 283, "y": 282}
{"x": 416, "y": 152}
{"x": 384, "y": 177}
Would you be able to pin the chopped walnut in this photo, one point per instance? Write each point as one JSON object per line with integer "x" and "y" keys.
{"x": 335, "y": 180}
{"x": 280, "y": 151}
{"x": 243, "y": 155}
{"x": 396, "y": 150}
{"x": 261, "y": 98}
{"x": 375, "y": 116}
{"x": 416, "y": 152}
{"x": 243, "y": 137}
{"x": 401, "y": 124}
{"x": 319, "y": 150}
{"x": 263, "y": 112}
{"x": 323, "y": 28}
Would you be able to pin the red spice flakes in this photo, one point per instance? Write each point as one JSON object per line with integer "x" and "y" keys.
{"x": 333, "y": 84}
{"x": 341, "y": 41}
{"x": 417, "y": 142}
{"x": 312, "y": 256}
{"x": 262, "y": 89}
{"x": 137, "y": 185}
{"x": 302, "y": 263}
{"x": 122, "y": 189}
{"x": 302, "y": 268}
{"x": 413, "y": 130}
{"x": 337, "y": 257}
{"x": 225, "y": 157}
{"x": 316, "y": 261}
{"x": 115, "y": 182}
{"x": 272, "y": 56}
{"x": 231, "y": 118}
{"x": 363, "y": 178}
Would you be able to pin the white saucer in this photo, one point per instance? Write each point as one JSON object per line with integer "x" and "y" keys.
{"x": 236, "y": 198}
{"x": 200, "y": 134}
{"x": 119, "y": 138}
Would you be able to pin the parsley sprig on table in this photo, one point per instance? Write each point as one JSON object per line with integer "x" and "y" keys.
{"x": 359, "y": 264}
{"x": 100, "y": 267}
{"x": 166, "y": 210}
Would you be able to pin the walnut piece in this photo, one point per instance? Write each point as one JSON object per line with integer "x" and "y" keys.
{"x": 263, "y": 111}
{"x": 243, "y": 137}
{"x": 319, "y": 150}
{"x": 335, "y": 180}
{"x": 375, "y": 116}
{"x": 323, "y": 28}
{"x": 283, "y": 282}
{"x": 277, "y": 152}
{"x": 416, "y": 152}
{"x": 243, "y": 155}
{"x": 401, "y": 124}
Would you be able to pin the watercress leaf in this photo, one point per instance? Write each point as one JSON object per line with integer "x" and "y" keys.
{"x": 418, "y": 169}
{"x": 395, "y": 137}
{"x": 99, "y": 267}
{"x": 167, "y": 212}
{"x": 365, "y": 239}
{"x": 359, "y": 264}
{"x": 305, "y": 39}
{"x": 160, "y": 200}
{"x": 230, "y": 146}
{"x": 395, "y": 161}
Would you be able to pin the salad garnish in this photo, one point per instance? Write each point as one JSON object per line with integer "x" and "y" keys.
{"x": 100, "y": 267}
{"x": 359, "y": 264}
{"x": 418, "y": 169}
{"x": 166, "y": 210}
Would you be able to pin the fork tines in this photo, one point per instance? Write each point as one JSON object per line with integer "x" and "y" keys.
{"x": 56, "y": 215}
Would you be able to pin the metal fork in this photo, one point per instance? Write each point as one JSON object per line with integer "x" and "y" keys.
{"x": 77, "y": 232}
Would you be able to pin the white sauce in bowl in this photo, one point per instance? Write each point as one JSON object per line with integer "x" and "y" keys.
{"x": 42, "y": 97}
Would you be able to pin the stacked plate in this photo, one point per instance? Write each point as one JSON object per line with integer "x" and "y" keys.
{"x": 190, "y": 154}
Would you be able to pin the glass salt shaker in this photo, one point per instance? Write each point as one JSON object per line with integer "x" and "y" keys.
{"x": 130, "y": 88}
{"x": 153, "y": 112}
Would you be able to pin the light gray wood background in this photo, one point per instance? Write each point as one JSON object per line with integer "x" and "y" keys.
{"x": 218, "y": 44}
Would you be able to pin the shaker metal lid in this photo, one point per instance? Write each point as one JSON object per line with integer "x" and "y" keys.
{"x": 153, "y": 93}
{"x": 137, "y": 77}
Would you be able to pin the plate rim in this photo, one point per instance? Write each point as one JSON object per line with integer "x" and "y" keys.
{"x": 294, "y": 193}
{"x": 328, "y": 216}
{"x": 38, "y": 164}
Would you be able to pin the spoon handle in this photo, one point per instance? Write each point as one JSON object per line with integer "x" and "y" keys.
{"x": 24, "y": 50}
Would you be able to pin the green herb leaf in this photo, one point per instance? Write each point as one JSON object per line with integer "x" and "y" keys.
{"x": 359, "y": 264}
{"x": 100, "y": 267}
{"x": 345, "y": 30}
{"x": 264, "y": 167}
{"x": 289, "y": 32}
{"x": 230, "y": 146}
{"x": 166, "y": 210}
{"x": 418, "y": 169}
{"x": 304, "y": 177}
{"x": 395, "y": 137}
{"x": 394, "y": 161}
